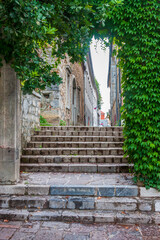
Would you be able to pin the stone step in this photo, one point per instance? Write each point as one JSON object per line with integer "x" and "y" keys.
{"x": 73, "y": 159}
{"x": 81, "y": 128}
{"x": 75, "y": 145}
{"x": 76, "y": 168}
{"x": 78, "y": 133}
{"x": 113, "y": 204}
{"x": 37, "y": 138}
{"x": 85, "y": 216}
{"x": 73, "y": 151}
{"x": 81, "y": 190}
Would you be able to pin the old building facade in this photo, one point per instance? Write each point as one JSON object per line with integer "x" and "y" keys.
{"x": 114, "y": 83}
{"x": 90, "y": 94}
{"x": 75, "y": 100}
{"x": 65, "y": 101}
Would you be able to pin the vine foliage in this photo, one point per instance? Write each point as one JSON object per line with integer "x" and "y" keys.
{"x": 68, "y": 26}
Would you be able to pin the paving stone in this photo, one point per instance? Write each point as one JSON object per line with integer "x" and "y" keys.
{"x": 56, "y": 225}
{"x": 80, "y": 203}
{"x": 150, "y": 230}
{"x": 28, "y": 227}
{"x": 6, "y": 233}
{"x": 23, "y": 236}
{"x": 102, "y": 235}
{"x": 49, "y": 234}
{"x": 72, "y": 190}
{"x": 70, "y": 236}
{"x": 57, "y": 203}
{"x": 127, "y": 191}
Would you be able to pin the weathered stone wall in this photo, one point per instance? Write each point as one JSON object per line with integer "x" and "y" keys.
{"x": 9, "y": 125}
{"x": 30, "y": 107}
{"x": 50, "y": 105}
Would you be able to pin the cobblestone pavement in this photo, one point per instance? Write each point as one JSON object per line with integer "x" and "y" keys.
{"x": 75, "y": 231}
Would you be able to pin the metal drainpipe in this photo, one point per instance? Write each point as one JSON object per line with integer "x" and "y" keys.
{"x": 120, "y": 100}
{"x": 117, "y": 119}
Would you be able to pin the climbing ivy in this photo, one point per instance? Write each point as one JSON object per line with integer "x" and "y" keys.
{"x": 28, "y": 28}
{"x": 100, "y": 101}
{"x": 136, "y": 27}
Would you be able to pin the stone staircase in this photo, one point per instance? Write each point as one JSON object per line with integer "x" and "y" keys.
{"x": 76, "y": 150}
{"x": 78, "y": 174}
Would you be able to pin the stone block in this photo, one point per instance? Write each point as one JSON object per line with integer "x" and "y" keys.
{"x": 106, "y": 169}
{"x": 46, "y": 216}
{"x": 126, "y": 191}
{"x": 12, "y": 190}
{"x": 116, "y": 204}
{"x": 85, "y": 168}
{"x": 72, "y": 191}
{"x": 149, "y": 192}
{"x": 41, "y": 160}
{"x": 145, "y": 206}
{"x": 29, "y": 202}
{"x": 4, "y": 202}
{"x": 133, "y": 218}
{"x": 80, "y": 203}
{"x": 104, "y": 217}
{"x": 57, "y": 203}
{"x": 58, "y": 159}
{"x": 156, "y": 218}
{"x": 107, "y": 191}
{"x": 38, "y": 190}
{"x": 157, "y": 205}
{"x": 92, "y": 159}
{"x": 14, "y": 215}
{"x": 78, "y": 216}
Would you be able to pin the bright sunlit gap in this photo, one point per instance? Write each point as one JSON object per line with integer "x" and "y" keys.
{"x": 100, "y": 60}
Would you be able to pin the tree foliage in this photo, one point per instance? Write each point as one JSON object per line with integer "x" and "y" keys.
{"x": 68, "y": 26}
{"x": 30, "y": 25}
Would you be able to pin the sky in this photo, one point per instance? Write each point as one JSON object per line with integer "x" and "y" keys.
{"x": 100, "y": 60}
